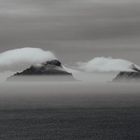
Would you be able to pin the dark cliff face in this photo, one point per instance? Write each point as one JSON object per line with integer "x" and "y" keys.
{"x": 53, "y": 67}
{"x": 127, "y": 76}
{"x": 45, "y": 70}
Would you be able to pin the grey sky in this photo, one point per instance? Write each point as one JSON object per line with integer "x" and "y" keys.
{"x": 84, "y": 28}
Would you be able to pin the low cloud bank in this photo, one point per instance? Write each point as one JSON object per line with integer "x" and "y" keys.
{"x": 103, "y": 64}
{"x": 18, "y": 59}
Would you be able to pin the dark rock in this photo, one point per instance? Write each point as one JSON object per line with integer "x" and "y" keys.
{"x": 125, "y": 76}
{"x": 53, "y": 62}
{"x": 46, "y": 71}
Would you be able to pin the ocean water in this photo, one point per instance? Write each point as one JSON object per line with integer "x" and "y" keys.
{"x": 69, "y": 110}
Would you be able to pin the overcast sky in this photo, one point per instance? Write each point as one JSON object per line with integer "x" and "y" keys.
{"x": 73, "y": 29}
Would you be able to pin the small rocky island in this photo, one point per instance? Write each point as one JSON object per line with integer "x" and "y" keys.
{"x": 126, "y": 76}
{"x": 48, "y": 71}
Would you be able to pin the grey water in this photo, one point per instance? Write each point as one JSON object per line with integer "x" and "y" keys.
{"x": 69, "y": 110}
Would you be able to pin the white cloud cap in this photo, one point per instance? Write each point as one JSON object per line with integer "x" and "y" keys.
{"x": 103, "y": 64}
{"x": 18, "y": 59}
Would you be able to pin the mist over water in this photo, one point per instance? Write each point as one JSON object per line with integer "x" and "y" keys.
{"x": 69, "y": 110}
{"x": 68, "y": 94}
{"x": 88, "y": 107}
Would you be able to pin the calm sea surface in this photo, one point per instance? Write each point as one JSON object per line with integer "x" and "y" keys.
{"x": 69, "y": 111}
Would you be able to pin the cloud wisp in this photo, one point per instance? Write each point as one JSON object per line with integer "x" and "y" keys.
{"x": 103, "y": 64}
{"x": 18, "y": 59}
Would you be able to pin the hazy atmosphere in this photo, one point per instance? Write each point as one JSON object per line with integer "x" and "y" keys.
{"x": 85, "y": 29}
{"x": 69, "y": 69}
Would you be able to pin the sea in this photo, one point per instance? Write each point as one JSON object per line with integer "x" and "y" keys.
{"x": 71, "y": 110}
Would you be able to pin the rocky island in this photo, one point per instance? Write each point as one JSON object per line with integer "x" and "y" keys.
{"x": 48, "y": 71}
{"x": 128, "y": 76}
